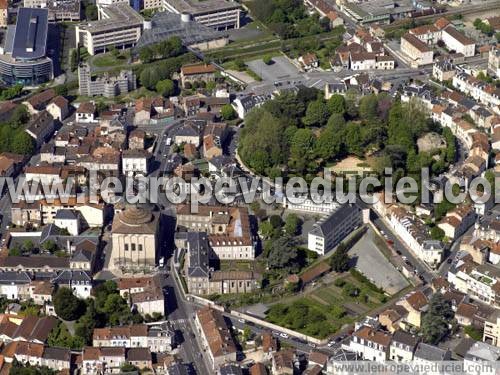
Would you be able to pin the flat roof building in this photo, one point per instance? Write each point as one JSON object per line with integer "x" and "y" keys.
{"x": 216, "y": 14}
{"x": 24, "y": 55}
{"x": 118, "y": 26}
{"x": 59, "y": 10}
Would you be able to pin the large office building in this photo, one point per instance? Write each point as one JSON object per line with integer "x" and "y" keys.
{"x": 24, "y": 56}
{"x": 118, "y": 26}
{"x": 329, "y": 231}
{"x": 216, "y": 14}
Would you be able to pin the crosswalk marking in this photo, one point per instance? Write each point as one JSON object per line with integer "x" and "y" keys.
{"x": 179, "y": 321}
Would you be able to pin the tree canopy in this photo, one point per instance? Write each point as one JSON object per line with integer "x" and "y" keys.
{"x": 67, "y": 305}
{"x": 288, "y": 18}
{"x": 435, "y": 323}
{"x": 298, "y": 134}
{"x": 165, "y": 87}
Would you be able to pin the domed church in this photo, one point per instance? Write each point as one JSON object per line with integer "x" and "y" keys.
{"x": 134, "y": 239}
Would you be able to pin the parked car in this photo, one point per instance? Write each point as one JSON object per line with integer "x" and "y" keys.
{"x": 284, "y": 335}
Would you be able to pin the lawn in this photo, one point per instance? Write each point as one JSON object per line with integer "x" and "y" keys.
{"x": 109, "y": 59}
{"x": 236, "y": 265}
{"x": 324, "y": 311}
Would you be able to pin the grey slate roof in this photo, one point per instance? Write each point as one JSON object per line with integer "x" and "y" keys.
{"x": 188, "y": 130}
{"x": 35, "y": 262}
{"x": 431, "y": 352}
{"x": 221, "y": 161}
{"x": 82, "y": 256}
{"x": 66, "y": 214}
{"x": 59, "y": 354}
{"x": 230, "y": 369}
{"x": 163, "y": 330}
{"x": 177, "y": 369}
{"x": 138, "y": 354}
{"x": 326, "y": 225}
{"x": 405, "y": 338}
{"x": 67, "y": 277}
{"x": 482, "y": 351}
{"x": 198, "y": 248}
{"x": 13, "y": 277}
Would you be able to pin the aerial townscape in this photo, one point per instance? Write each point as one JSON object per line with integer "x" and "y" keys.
{"x": 109, "y": 108}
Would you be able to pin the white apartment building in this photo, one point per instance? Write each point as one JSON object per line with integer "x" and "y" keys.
{"x": 310, "y": 205}
{"x": 329, "y": 231}
{"x": 491, "y": 332}
{"x": 478, "y": 281}
{"x": 429, "y": 34}
{"x": 91, "y": 213}
{"x": 371, "y": 344}
{"x": 402, "y": 346}
{"x": 416, "y": 236}
{"x": 135, "y": 162}
{"x": 479, "y": 90}
{"x": 118, "y": 26}
{"x": 443, "y": 71}
{"x": 363, "y": 61}
{"x": 494, "y": 61}
{"x": 458, "y": 42}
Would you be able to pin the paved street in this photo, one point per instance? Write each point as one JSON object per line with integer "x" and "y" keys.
{"x": 182, "y": 312}
{"x": 421, "y": 268}
{"x": 319, "y": 79}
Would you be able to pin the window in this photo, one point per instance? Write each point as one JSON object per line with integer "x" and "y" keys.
{"x": 140, "y": 247}
{"x": 133, "y": 247}
{"x": 126, "y": 247}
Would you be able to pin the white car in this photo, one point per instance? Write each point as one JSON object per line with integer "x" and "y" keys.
{"x": 284, "y": 335}
{"x": 241, "y": 320}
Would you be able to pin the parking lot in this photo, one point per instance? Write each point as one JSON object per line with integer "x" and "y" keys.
{"x": 279, "y": 70}
{"x": 375, "y": 266}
